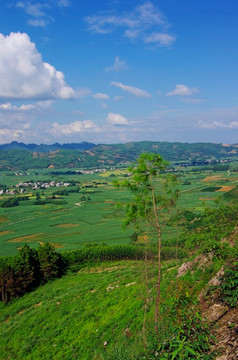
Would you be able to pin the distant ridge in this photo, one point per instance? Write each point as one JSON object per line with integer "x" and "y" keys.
{"x": 47, "y": 148}
{"x": 19, "y": 156}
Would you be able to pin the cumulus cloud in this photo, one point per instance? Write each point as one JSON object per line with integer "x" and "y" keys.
{"x": 145, "y": 23}
{"x": 118, "y": 65}
{"x": 100, "y": 96}
{"x": 24, "y": 75}
{"x": 182, "y": 90}
{"x": 131, "y": 89}
{"x": 116, "y": 119}
{"x": 24, "y": 107}
{"x": 73, "y": 127}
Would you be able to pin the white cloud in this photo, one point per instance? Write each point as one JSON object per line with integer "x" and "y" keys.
{"x": 117, "y": 98}
{"x": 161, "y": 39}
{"x": 23, "y": 74}
{"x": 38, "y": 11}
{"x": 8, "y": 106}
{"x": 182, "y": 90}
{"x": 77, "y": 112}
{"x": 145, "y": 23}
{"x": 73, "y": 128}
{"x": 119, "y": 65}
{"x": 217, "y": 125}
{"x": 10, "y": 135}
{"x": 193, "y": 101}
{"x": 131, "y": 89}
{"x": 37, "y": 22}
{"x": 100, "y": 96}
{"x": 35, "y": 9}
{"x": 104, "y": 106}
{"x": 63, "y": 3}
{"x": 26, "y": 107}
{"x": 82, "y": 92}
{"x": 116, "y": 119}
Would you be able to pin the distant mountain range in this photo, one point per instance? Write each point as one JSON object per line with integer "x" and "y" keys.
{"x": 43, "y": 148}
{"x": 15, "y": 156}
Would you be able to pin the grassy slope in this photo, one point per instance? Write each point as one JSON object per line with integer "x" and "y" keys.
{"x": 112, "y": 154}
{"x": 72, "y": 317}
{"x": 35, "y": 327}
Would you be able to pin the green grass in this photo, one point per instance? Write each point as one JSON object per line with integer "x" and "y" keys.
{"x": 73, "y": 316}
{"x": 51, "y": 323}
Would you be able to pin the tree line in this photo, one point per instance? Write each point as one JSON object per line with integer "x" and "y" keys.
{"x": 30, "y": 268}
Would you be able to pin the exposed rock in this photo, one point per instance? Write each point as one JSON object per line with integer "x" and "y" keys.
{"x": 223, "y": 321}
{"x": 215, "y": 312}
{"x": 216, "y": 280}
{"x": 130, "y": 284}
{"x": 227, "y": 335}
{"x": 201, "y": 260}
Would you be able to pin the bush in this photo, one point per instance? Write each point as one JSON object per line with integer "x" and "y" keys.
{"x": 229, "y": 285}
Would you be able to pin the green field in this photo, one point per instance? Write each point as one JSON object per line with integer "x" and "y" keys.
{"x": 69, "y": 223}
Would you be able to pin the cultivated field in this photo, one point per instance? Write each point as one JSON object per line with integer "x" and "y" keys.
{"x": 91, "y": 215}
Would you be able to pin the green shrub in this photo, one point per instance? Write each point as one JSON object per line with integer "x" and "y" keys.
{"x": 229, "y": 285}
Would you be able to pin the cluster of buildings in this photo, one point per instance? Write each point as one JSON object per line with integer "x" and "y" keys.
{"x": 92, "y": 171}
{"x": 41, "y": 184}
{"x": 22, "y": 187}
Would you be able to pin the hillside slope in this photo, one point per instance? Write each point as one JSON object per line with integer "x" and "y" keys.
{"x": 17, "y": 156}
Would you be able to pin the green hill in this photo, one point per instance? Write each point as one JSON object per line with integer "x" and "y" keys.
{"x": 20, "y": 156}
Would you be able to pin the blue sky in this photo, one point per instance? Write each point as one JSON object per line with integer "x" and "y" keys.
{"x": 118, "y": 71}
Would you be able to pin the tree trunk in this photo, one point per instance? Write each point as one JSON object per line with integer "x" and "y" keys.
{"x": 146, "y": 281}
{"x": 159, "y": 262}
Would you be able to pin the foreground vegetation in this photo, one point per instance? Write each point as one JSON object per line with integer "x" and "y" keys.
{"x": 101, "y": 301}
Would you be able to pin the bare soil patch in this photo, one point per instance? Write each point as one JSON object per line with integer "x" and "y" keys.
{"x": 2, "y": 233}
{"x": 3, "y": 219}
{"x": 67, "y": 226}
{"x": 56, "y": 245}
{"x": 213, "y": 178}
{"x": 225, "y": 188}
{"x": 90, "y": 153}
{"x": 53, "y": 153}
{"x": 27, "y": 238}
